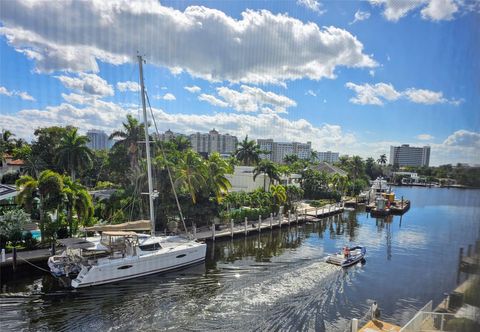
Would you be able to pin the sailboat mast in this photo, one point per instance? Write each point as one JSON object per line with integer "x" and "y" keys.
{"x": 147, "y": 148}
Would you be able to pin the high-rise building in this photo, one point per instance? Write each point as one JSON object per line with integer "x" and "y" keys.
{"x": 168, "y": 135}
{"x": 407, "y": 155}
{"x": 98, "y": 140}
{"x": 278, "y": 150}
{"x": 328, "y": 156}
{"x": 213, "y": 142}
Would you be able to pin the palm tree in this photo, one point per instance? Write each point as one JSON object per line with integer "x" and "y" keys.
{"x": 216, "y": 180}
{"x": 77, "y": 199}
{"x": 181, "y": 143}
{"x": 290, "y": 158}
{"x": 191, "y": 173}
{"x": 269, "y": 169}
{"x": 132, "y": 134}
{"x": 49, "y": 187}
{"x": 248, "y": 152}
{"x": 73, "y": 153}
{"x": 279, "y": 194}
{"x": 382, "y": 160}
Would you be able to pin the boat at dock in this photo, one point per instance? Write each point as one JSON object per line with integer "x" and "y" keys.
{"x": 120, "y": 254}
{"x": 356, "y": 254}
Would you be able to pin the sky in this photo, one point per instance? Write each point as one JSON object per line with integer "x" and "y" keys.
{"x": 350, "y": 76}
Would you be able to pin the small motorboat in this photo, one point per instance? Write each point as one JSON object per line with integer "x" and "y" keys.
{"x": 355, "y": 255}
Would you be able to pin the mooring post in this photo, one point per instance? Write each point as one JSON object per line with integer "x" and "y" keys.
{"x": 14, "y": 258}
{"x": 280, "y": 217}
{"x": 460, "y": 257}
{"x": 316, "y": 211}
{"x": 53, "y": 248}
{"x": 296, "y": 216}
{"x": 289, "y": 217}
{"x": 354, "y": 324}
{"x": 402, "y": 202}
{"x": 3, "y": 255}
{"x": 213, "y": 232}
{"x": 194, "y": 231}
{"x": 231, "y": 228}
{"x": 246, "y": 225}
{"x": 259, "y": 223}
{"x": 271, "y": 220}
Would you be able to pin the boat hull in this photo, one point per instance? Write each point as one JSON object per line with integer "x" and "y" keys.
{"x": 358, "y": 254}
{"x": 138, "y": 266}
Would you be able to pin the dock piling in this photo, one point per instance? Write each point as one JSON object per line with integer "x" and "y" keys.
{"x": 469, "y": 250}
{"x": 280, "y": 217}
{"x": 259, "y": 223}
{"x": 296, "y": 217}
{"x": 289, "y": 217}
{"x": 231, "y": 228}
{"x": 14, "y": 266}
{"x": 246, "y": 225}
{"x": 213, "y": 232}
{"x": 194, "y": 231}
{"x": 3, "y": 255}
{"x": 271, "y": 220}
{"x": 354, "y": 324}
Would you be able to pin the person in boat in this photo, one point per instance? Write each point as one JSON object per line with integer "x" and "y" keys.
{"x": 346, "y": 252}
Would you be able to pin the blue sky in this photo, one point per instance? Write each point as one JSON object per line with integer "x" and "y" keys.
{"x": 349, "y": 76}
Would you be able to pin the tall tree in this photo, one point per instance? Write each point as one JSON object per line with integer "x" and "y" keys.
{"x": 382, "y": 160}
{"x": 46, "y": 144}
{"x": 290, "y": 158}
{"x": 216, "y": 180}
{"x": 133, "y": 132}
{"x": 270, "y": 170}
{"x": 73, "y": 153}
{"x": 191, "y": 173}
{"x": 248, "y": 152}
{"x": 279, "y": 195}
{"x": 78, "y": 200}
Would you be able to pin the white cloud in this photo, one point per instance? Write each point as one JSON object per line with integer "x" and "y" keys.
{"x": 422, "y": 96}
{"x": 463, "y": 138}
{"x": 434, "y": 10}
{"x": 438, "y": 10}
{"x": 313, "y": 5}
{"x": 311, "y": 93}
{"x": 128, "y": 86}
{"x": 90, "y": 84}
{"x": 250, "y": 99}
{"x": 22, "y": 94}
{"x": 212, "y": 100}
{"x": 360, "y": 16}
{"x": 371, "y": 72}
{"x": 260, "y": 47}
{"x": 193, "y": 89}
{"x": 368, "y": 94}
{"x": 377, "y": 94}
{"x": 168, "y": 96}
{"x": 425, "y": 137}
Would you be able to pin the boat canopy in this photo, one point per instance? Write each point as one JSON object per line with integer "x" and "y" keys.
{"x": 139, "y": 225}
{"x": 76, "y": 243}
{"x": 119, "y": 233}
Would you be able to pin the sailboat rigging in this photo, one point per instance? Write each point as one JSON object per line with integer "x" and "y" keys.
{"x": 119, "y": 255}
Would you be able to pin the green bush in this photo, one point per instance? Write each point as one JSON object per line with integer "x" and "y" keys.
{"x": 472, "y": 294}
{"x": 29, "y": 241}
{"x": 463, "y": 325}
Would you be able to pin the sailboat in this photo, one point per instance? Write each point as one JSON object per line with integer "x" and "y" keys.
{"x": 121, "y": 254}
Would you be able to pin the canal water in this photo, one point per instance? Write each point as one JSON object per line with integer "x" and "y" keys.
{"x": 276, "y": 280}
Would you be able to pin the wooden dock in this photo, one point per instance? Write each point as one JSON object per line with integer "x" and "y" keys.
{"x": 247, "y": 227}
{"x": 378, "y": 325}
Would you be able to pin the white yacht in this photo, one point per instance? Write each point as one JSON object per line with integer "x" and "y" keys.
{"x": 379, "y": 186}
{"x": 120, "y": 254}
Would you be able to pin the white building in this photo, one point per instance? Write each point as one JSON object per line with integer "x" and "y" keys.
{"x": 328, "y": 156}
{"x": 278, "y": 150}
{"x": 407, "y": 155}
{"x": 98, "y": 140}
{"x": 213, "y": 142}
{"x": 242, "y": 179}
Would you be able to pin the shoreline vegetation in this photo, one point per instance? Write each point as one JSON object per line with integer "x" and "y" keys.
{"x": 64, "y": 186}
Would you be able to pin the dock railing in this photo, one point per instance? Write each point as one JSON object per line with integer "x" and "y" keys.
{"x": 426, "y": 320}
